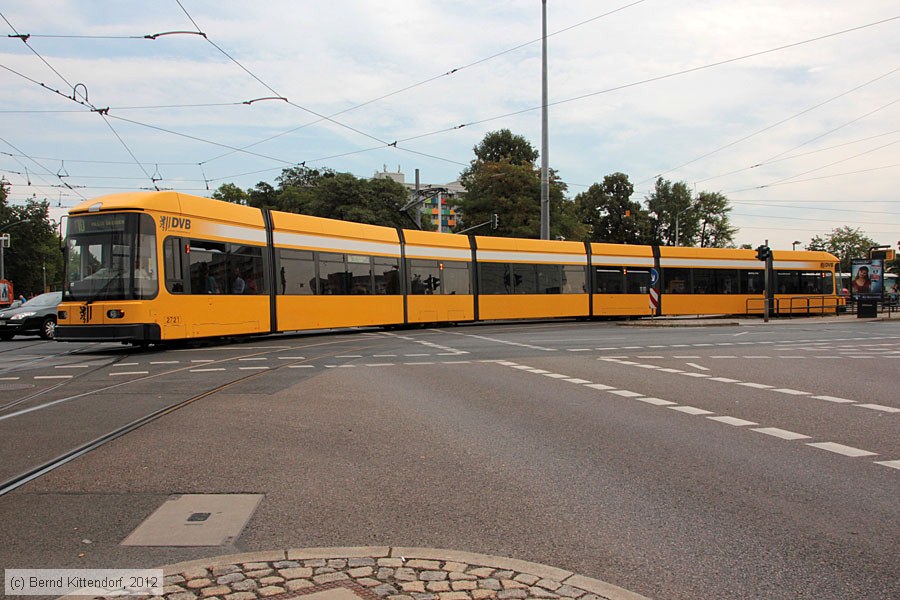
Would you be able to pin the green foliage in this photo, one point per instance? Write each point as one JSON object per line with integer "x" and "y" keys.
{"x": 846, "y": 243}
{"x": 511, "y": 191}
{"x": 715, "y": 230}
{"x": 609, "y": 213}
{"x": 325, "y": 193}
{"x": 34, "y": 253}
{"x": 678, "y": 219}
{"x": 302, "y": 177}
{"x": 673, "y": 220}
{"x": 501, "y": 145}
{"x": 231, "y": 193}
{"x": 503, "y": 179}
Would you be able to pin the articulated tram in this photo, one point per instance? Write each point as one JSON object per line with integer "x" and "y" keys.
{"x": 163, "y": 266}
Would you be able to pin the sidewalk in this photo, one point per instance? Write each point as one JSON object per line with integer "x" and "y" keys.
{"x": 379, "y": 573}
{"x": 732, "y": 321}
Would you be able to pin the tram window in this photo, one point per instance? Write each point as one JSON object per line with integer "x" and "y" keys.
{"x": 455, "y": 277}
{"x": 609, "y": 280}
{"x": 360, "y": 272}
{"x": 573, "y": 281}
{"x": 333, "y": 276}
{"x": 146, "y": 269}
{"x": 827, "y": 283}
{"x": 752, "y": 282}
{"x": 814, "y": 282}
{"x": 424, "y": 277}
{"x": 246, "y": 274}
{"x": 494, "y": 278}
{"x": 637, "y": 281}
{"x": 208, "y": 267}
{"x": 296, "y": 272}
{"x": 387, "y": 275}
{"x": 549, "y": 279}
{"x": 726, "y": 281}
{"x": 787, "y": 282}
{"x": 524, "y": 279}
{"x": 703, "y": 281}
{"x": 174, "y": 273}
{"x": 678, "y": 281}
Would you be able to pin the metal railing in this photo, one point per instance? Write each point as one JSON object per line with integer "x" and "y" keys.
{"x": 889, "y": 306}
{"x": 794, "y": 305}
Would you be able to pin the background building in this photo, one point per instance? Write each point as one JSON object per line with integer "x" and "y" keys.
{"x": 436, "y": 201}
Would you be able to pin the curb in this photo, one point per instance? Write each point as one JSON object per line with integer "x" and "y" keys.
{"x": 384, "y": 572}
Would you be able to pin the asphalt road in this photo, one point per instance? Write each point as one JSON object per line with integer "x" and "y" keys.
{"x": 752, "y": 461}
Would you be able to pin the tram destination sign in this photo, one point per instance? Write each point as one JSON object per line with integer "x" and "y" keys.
{"x": 98, "y": 223}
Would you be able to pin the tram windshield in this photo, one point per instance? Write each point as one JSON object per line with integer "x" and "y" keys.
{"x": 111, "y": 257}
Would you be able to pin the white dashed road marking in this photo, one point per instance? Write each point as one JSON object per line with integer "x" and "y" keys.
{"x": 691, "y": 410}
{"x": 841, "y": 449}
{"x": 733, "y": 421}
{"x": 889, "y": 409}
{"x": 782, "y": 433}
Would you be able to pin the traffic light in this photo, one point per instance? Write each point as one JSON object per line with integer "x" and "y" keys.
{"x": 763, "y": 252}
{"x": 495, "y": 221}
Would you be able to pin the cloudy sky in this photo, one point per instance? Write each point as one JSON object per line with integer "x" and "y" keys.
{"x": 791, "y": 109}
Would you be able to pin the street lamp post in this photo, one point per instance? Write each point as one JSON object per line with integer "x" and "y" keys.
{"x": 677, "y": 216}
{"x": 794, "y": 245}
{"x": 545, "y": 141}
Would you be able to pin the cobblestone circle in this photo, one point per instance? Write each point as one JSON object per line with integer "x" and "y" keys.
{"x": 379, "y": 573}
{"x": 388, "y": 578}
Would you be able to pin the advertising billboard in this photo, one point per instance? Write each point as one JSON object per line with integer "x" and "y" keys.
{"x": 866, "y": 278}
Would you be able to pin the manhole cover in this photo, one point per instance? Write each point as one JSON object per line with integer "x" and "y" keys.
{"x": 196, "y": 520}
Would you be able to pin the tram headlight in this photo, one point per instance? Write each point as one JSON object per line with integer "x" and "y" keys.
{"x": 115, "y": 313}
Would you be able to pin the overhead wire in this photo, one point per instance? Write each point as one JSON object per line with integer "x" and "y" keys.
{"x": 793, "y": 156}
{"x": 394, "y": 144}
{"x": 51, "y": 173}
{"x": 807, "y": 208}
{"x": 837, "y": 162}
{"x": 76, "y": 92}
{"x": 758, "y": 187}
{"x": 430, "y": 79}
{"x": 772, "y": 126}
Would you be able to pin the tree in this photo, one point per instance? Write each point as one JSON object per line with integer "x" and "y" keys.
{"x": 673, "y": 219}
{"x": 610, "y": 214}
{"x": 262, "y": 195}
{"x": 845, "y": 243}
{"x": 511, "y": 191}
{"x": 677, "y": 219}
{"x": 229, "y": 192}
{"x": 374, "y": 201}
{"x": 302, "y": 176}
{"x": 504, "y": 145}
{"x": 34, "y": 255}
{"x": 715, "y": 230}
{"x": 503, "y": 179}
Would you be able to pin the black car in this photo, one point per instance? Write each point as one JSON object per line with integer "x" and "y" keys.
{"x": 38, "y": 315}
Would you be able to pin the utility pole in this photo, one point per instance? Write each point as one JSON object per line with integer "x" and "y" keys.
{"x": 545, "y": 144}
{"x": 769, "y": 290}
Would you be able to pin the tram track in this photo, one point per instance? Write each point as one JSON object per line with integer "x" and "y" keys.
{"x": 32, "y": 473}
{"x": 60, "y": 385}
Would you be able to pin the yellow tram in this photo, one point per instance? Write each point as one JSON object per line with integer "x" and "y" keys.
{"x": 151, "y": 267}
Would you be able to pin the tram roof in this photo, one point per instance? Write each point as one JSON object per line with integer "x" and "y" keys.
{"x": 170, "y": 202}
